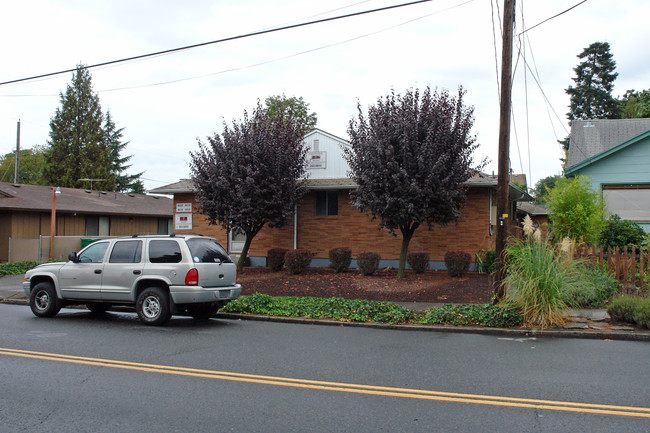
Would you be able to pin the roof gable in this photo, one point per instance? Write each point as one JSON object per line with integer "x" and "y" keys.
{"x": 591, "y": 138}
{"x": 604, "y": 154}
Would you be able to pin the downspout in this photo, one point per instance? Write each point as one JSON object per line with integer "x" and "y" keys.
{"x": 490, "y": 213}
{"x": 295, "y": 227}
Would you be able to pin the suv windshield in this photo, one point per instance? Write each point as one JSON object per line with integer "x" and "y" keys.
{"x": 207, "y": 251}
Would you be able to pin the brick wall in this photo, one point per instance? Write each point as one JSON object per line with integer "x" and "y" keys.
{"x": 355, "y": 230}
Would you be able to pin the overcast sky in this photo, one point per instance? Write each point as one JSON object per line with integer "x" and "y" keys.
{"x": 165, "y": 103}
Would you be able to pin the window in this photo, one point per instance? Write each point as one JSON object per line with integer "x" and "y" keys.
{"x": 630, "y": 202}
{"x": 164, "y": 226}
{"x": 207, "y": 251}
{"x": 94, "y": 253}
{"x": 327, "y": 203}
{"x": 164, "y": 252}
{"x": 126, "y": 252}
{"x": 98, "y": 225}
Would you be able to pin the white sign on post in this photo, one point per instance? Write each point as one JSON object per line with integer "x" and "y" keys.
{"x": 183, "y": 221}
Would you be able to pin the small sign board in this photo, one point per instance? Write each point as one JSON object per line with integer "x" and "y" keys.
{"x": 183, "y": 221}
{"x": 317, "y": 159}
{"x": 183, "y": 207}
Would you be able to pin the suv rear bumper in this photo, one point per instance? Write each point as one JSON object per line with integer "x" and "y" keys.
{"x": 198, "y": 294}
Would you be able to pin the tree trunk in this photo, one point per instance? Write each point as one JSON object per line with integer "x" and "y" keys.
{"x": 247, "y": 244}
{"x": 407, "y": 234}
{"x": 244, "y": 254}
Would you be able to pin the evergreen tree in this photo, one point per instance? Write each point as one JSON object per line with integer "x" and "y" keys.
{"x": 123, "y": 182}
{"x": 591, "y": 98}
{"x": 77, "y": 146}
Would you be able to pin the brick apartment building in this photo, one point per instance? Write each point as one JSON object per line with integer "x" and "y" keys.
{"x": 325, "y": 219}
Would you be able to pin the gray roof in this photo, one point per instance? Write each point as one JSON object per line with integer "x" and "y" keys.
{"x": 478, "y": 180}
{"x": 39, "y": 198}
{"x": 533, "y": 209}
{"x": 593, "y": 137}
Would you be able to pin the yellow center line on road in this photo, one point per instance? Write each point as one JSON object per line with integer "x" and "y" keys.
{"x": 630, "y": 411}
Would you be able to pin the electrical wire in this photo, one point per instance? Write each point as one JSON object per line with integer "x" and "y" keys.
{"x": 496, "y": 55}
{"x": 554, "y": 16}
{"x": 202, "y": 44}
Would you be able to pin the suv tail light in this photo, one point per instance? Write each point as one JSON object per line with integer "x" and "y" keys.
{"x": 192, "y": 277}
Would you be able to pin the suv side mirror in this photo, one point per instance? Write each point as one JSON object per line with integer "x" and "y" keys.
{"x": 73, "y": 257}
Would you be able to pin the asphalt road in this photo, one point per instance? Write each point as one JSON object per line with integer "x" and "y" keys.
{"x": 83, "y": 373}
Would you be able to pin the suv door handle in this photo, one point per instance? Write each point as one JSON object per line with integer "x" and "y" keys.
{"x": 136, "y": 272}
{"x": 98, "y": 271}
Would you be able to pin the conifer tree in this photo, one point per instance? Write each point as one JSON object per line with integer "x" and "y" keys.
{"x": 123, "y": 182}
{"x": 591, "y": 98}
{"x": 77, "y": 146}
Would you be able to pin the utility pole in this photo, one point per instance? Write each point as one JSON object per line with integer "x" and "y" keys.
{"x": 503, "y": 181}
{"x": 17, "y": 165}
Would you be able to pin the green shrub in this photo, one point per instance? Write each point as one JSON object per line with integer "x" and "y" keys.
{"x": 340, "y": 259}
{"x": 592, "y": 289}
{"x": 457, "y": 263}
{"x": 368, "y": 262}
{"x": 486, "y": 261}
{"x": 15, "y": 268}
{"x": 477, "y": 315}
{"x": 620, "y": 233}
{"x": 275, "y": 258}
{"x": 622, "y": 308}
{"x": 356, "y": 310}
{"x": 419, "y": 262}
{"x": 297, "y": 261}
{"x": 642, "y": 312}
{"x": 577, "y": 210}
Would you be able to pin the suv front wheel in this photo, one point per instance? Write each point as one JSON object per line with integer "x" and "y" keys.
{"x": 43, "y": 300}
{"x": 152, "y": 306}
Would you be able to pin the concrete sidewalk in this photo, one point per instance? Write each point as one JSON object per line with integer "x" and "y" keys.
{"x": 581, "y": 323}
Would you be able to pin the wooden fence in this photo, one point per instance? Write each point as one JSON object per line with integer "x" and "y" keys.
{"x": 630, "y": 265}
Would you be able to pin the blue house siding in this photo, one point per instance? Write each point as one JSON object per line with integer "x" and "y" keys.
{"x": 626, "y": 164}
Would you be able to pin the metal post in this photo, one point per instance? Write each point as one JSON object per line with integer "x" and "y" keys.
{"x": 55, "y": 191}
{"x": 17, "y": 165}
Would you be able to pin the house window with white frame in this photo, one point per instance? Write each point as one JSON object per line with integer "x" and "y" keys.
{"x": 630, "y": 202}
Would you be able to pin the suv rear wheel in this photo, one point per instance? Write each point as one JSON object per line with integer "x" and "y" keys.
{"x": 43, "y": 300}
{"x": 152, "y": 306}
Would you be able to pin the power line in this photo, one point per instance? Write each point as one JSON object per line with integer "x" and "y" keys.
{"x": 202, "y": 44}
{"x": 265, "y": 62}
{"x": 554, "y": 16}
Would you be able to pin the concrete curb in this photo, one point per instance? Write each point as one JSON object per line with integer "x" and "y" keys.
{"x": 507, "y": 332}
{"x": 635, "y": 335}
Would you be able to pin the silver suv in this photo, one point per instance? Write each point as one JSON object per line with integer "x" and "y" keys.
{"x": 159, "y": 275}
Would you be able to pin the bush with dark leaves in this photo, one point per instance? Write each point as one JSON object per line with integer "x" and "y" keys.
{"x": 457, "y": 263}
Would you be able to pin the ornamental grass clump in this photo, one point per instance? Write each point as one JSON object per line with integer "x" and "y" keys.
{"x": 538, "y": 275}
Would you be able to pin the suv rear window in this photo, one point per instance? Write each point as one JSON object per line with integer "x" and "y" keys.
{"x": 165, "y": 252}
{"x": 207, "y": 251}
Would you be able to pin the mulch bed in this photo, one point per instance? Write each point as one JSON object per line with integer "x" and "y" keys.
{"x": 431, "y": 286}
